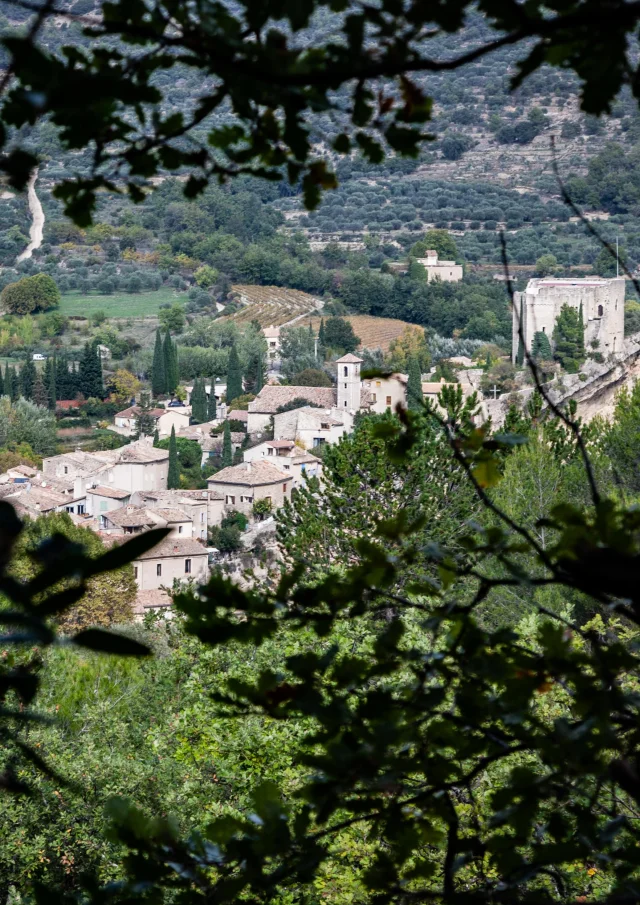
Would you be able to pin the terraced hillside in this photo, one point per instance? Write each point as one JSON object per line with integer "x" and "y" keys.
{"x": 272, "y": 305}
{"x": 374, "y": 332}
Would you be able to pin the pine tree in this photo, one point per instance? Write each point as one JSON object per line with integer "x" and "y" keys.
{"x": 173, "y": 478}
{"x": 28, "y": 377}
{"x": 234, "y": 376}
{"x": 520, "y": 352}
{"x": 40, "y": 396}
{"x": 158, "y": 373}
{"x": 414, "y": 385}
{"x": 170, "y": 364}
{"x": 212, "y": 411}
{"x": 198, "y": 401}
{"x": 227, "y": 449}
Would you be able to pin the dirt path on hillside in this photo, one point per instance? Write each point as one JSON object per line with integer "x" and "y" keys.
{"x": 37, "y": 216}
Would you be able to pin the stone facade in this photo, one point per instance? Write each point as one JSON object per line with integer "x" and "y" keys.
{"x": 602, "y": 311}
{"x": 171, "y": 559}
{"x": 242, "y": 485}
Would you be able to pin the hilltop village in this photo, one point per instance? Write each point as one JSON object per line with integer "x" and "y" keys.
{"x": 263, "y": 446}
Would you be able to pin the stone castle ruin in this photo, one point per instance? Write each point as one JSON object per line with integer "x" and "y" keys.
{"x": 602, "y": 310}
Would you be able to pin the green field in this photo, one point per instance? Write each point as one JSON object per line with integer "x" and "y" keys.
{"x": 123, "y": 304}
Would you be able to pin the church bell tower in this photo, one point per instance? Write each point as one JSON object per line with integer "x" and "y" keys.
{"x": 349, "y": 384}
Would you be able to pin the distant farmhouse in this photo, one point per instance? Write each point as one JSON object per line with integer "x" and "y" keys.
{"x": 602, "y": 304}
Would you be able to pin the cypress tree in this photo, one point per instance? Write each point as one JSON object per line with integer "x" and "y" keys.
{"x": 198, "y": 401}
{"x": 234, "y": 376}
{"x": 520, "y": 352}
{"x": 40, "y": 396}
{"x": 1, "y": 383}
{"x": 541, "y": 347}
{"x": 99, "y": 379}
{"x": 28, "y": 377}
{"x": 173, "y": 478}
{"x": 321, "y": 336}
{"x": 212, "y": 411}
{"x": 63, "y": 382}
{"x": 156, "y": 438}
{"x": 227, "y": 449}
{"x": 260, "y": 374}
{"x": 52, "y": 389}
{"x": 414, "y": 384}
{"x": 15, "y": 385}
{"x": 158, "y": 373}
{"x": 581, "y": 331}
{"x": 237, "y": 456}
{"x": 170, "y": 355}
{"x": 8, "y": 382}
{"x": 86, "y": 379}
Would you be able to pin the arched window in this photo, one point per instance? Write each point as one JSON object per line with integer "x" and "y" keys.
{"x": 600, "y": 310}
{"x": 346, "y": 371}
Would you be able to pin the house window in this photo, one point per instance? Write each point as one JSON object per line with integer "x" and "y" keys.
{"x": 103, "y": 505}
{"x": 135, "y": 572}
{"x": 66, "y": 470}
{"x": 286, "y": 467}
{"x": 270, "y": 451}
{"x": 81, "y": 509}
{"x": 230, "y": 500}
{"x": 284, "y": 488}
{"x": 103, "y": 522}
{"x": 179, "y": 529}
{"x": 374, "y": 397}
{"x": 318, "y": 441}
{"x": 345, "y": 403}
{"x": 187, "y": 567}
{"x": 345, "y": 386}
{"x": 68, "y": 508}
{"x": 600, "y": 310}
{"x": 346, "y": 371}
{"x": 388, "y": 400}
{"x": 159, "y": 569}
{"x": 202, "y": 518}
{"x": 378, "y": 383}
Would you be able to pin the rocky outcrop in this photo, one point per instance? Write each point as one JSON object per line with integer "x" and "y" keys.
{"x": 594, "y": 389}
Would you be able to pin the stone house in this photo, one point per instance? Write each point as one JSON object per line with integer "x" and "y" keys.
{"x": 445, "y": 271}
{"x": 172, "y": 559}
{"x": 311, "y": 427}
{"x": 204, "y": 507}
{"x": 212, "y": 446}
{"x": 138, "y": 466}
{"x": 132, "y": 519}
{"x": 272, "y": 397}
{"x": 272, "y": 336}
{"x": 242, "y": 485}
{"x": 385, "y": 393}
{"x": 126, "y": 419}
{"x": 177, "y": 418}
{"x": 289, "y": 457}
{"x": 101, "y": 499}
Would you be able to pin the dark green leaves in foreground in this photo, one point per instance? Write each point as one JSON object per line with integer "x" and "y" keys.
{"x": 25, "y": 617}
{"x": 267, "y": 69}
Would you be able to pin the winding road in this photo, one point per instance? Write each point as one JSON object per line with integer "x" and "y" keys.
{"x": 37, "y": 216}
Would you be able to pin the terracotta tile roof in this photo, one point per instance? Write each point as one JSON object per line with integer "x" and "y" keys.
{"x": 249, "y": 474}
{"x": 154, "y": 599}
{"x": 172, "y": 546}
{"x": 129, "y": 517}
{"x": 303, "y": 458}
{"x": 349, "y": 359}
{"x": 171, "y": 515}
{"x": 141, "y": 452}
{"x": 25, "y": 470}
{"x": 270, "y": 398}
{"x": 281, "y": 444}
{"x": 271, "y": 332}
{"x": 66, "y": 404}
{"x": 237, "y": 415}
{"x": 210, "y": 443}
{"x": 40, "y": 500}
{"x": 111, "y": 493}
{"x": 134, "y": 410}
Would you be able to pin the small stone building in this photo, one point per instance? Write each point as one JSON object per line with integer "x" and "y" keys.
{"x": 242, "y": 485}
{"x": 173, "y": 558}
